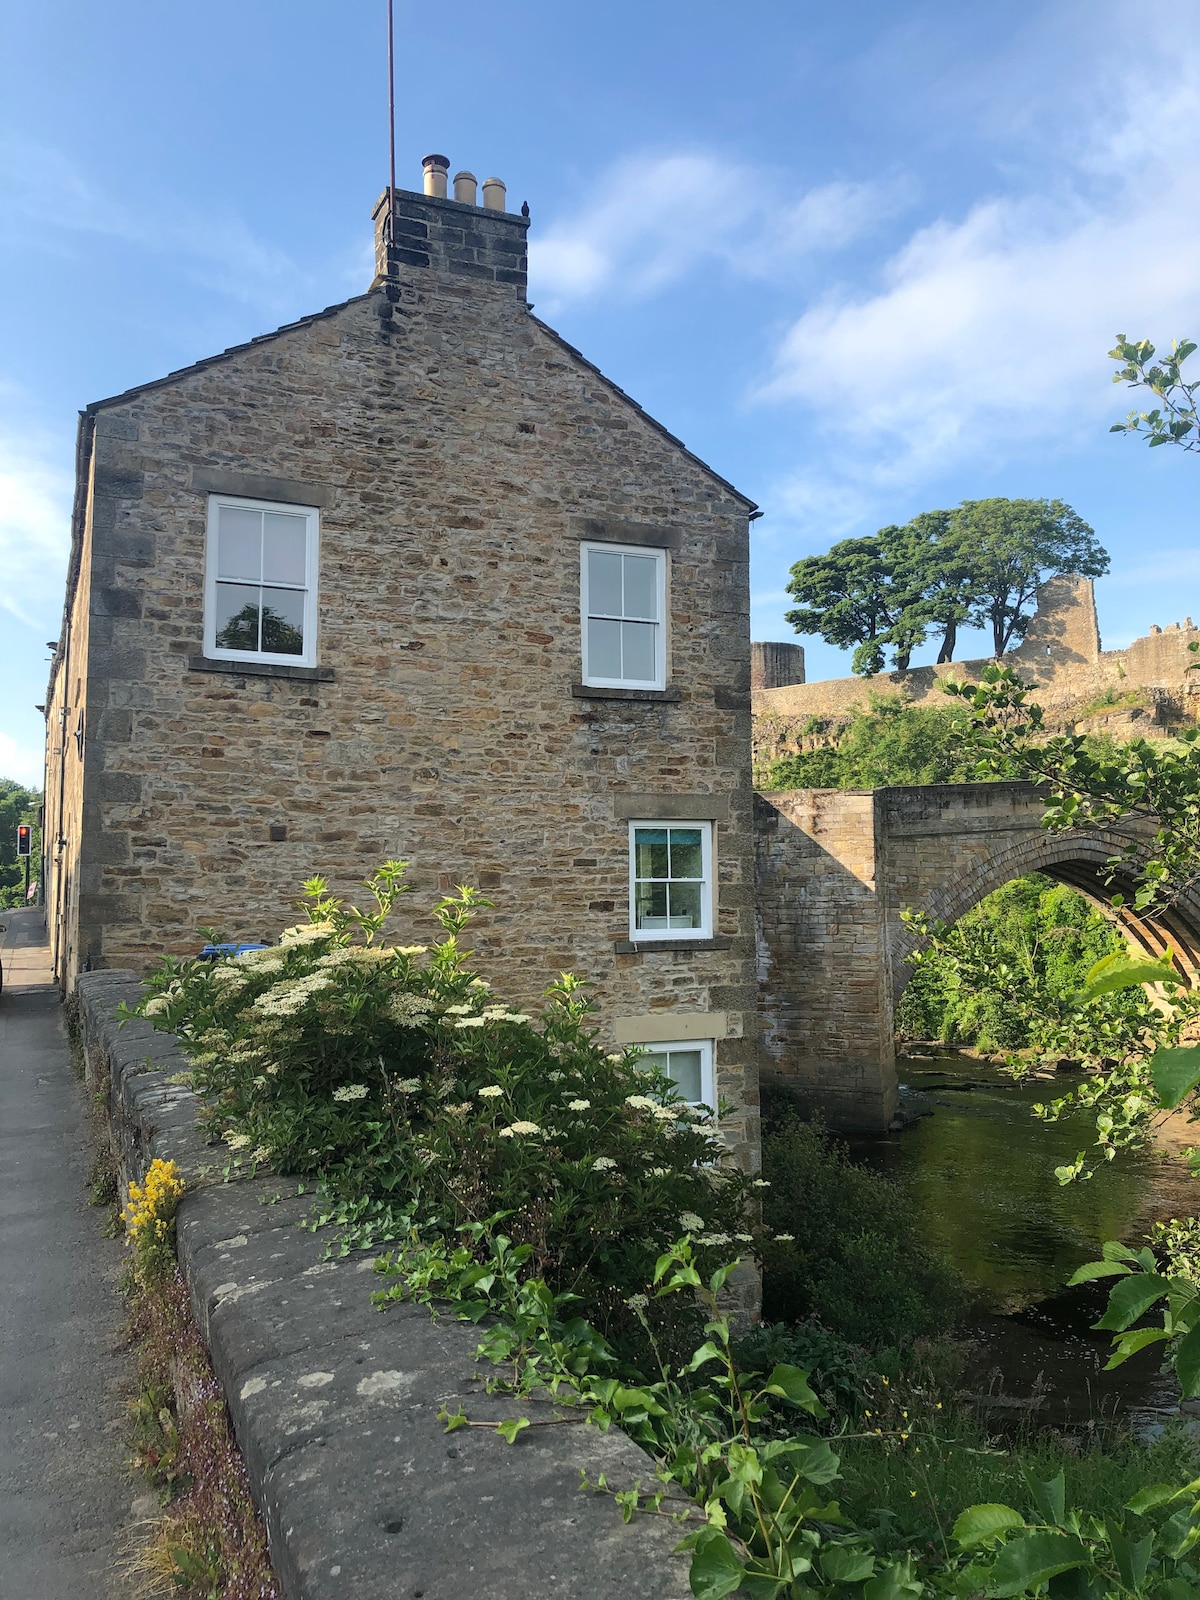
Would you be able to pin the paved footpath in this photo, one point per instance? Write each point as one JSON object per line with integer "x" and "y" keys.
{"x": 65, "y": 1496}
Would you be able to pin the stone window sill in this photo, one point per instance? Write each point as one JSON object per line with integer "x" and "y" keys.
{"x": 641, "y": 947}
{"x": 260, "y": 669}
{"x": 586, "y": 691}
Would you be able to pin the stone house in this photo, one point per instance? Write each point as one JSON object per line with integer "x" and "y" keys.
{"x": 411, "y": 578}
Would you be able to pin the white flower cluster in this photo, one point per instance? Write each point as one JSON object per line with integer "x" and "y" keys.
{"x": 156, "y": 1006}
{"x": 235, "y": 1141}
{"x": 351, "y": 1091}
{"x": 285, "y": 999}
{"x": 410, "y": 949}
{"x": 410, "y": 1010}
{"x": 471, "y": 1022}
{"x": 603, "y": 1164}
{"x": 227, "y": 978}
{"x": 408, "y": 1085}
{"x": 689, "y": 1221}
{"x": 260, "y": 961}
{"x": 579, "y": 1105}
{"x": 261, "y": 1152}
{"x": 490, "y": 1091}
{"x": 307, "y": 933}
{"x": 459, "y": 1011}
{"x": 353, "y": 955}
{"x": 523, "y": 1128}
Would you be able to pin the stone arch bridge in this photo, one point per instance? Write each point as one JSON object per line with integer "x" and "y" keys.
{"x": 835, "y": 870}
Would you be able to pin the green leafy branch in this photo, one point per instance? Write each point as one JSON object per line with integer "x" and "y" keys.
{"x": 1176, "y": 420}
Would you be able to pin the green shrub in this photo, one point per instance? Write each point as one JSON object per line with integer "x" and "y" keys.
{"x": 393, "y": 1077}
{"x": 894, "y": 742}
{"x": 842, "y": 1246}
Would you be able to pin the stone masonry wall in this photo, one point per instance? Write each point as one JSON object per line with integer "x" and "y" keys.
{"x": 825, "y": 1007}
{"x": 458, "y": 451}
{"x": 335, "y": 1404}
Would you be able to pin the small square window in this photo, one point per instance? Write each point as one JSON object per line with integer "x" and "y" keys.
{"x": 261, "y": 590}
{"x": 670, "y": 870}
{"x": 623, "y": 592}
{"x": 689, "y": 1065}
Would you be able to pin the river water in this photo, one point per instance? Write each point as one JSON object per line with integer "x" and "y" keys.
{"x": 978, "y": 1170}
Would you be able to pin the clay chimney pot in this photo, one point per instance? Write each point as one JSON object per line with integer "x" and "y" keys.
{"x": 436, "y": 168}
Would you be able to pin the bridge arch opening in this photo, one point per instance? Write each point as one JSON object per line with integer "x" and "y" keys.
{"x": 1082, "y": 862}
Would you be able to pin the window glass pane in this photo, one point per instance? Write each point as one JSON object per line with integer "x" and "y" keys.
{"x": 637, "y": 651}
{"x": 641, "y": 587}
{"x": 650, "y": 852}
{"x": 239, "y": 543}
{"x": 650, "y": 906}
{"x": 604, "y": 649}
{"x": 604, "y": 584}
{"x": 283, "y": 621}
{"x": 684, "y": 905}
{"x": 284, "y": 548}
{"x": 237, "y": 616}
{"x": 687, "y": 856}
{"x": 684, "y": 1070}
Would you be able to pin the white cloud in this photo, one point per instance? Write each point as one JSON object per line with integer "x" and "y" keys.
{"x": 35, "y": 516}
{"x": 653, "y": 218}
{"x": 987, "y": 334}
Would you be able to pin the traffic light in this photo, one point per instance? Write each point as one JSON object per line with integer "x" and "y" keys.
{"x": 24, "y": 839}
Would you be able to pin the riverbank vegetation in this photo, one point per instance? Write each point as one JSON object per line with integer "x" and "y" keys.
{"x": 571, "y": 1203}
{"x": 1007, "y": 975}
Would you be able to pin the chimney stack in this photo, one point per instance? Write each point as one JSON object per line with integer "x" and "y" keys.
{"x": 436, "y": 168}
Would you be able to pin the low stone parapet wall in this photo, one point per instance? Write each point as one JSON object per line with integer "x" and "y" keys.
{"x": 335, "y": 1404}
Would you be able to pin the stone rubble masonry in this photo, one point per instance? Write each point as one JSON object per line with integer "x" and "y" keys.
{"x": 1061, "y": 653}
{"x": 836, "y": 871}
{"x": 335, "y": 1404}
{"x": 458, "y": 450}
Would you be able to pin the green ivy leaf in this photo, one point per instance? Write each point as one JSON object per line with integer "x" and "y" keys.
{"x": 1098, "y": 1269}
{"x": 981, "y": 1522}
{"x": 511, "y": 1427}
{"x": 1121, "y": 971}
{"x": 1034, "y": 1559}
{"x": 791, "y": 1383}
{"x": 1131, "y": 1298}
{"x": 715, "y": 1570}
{"x": 843, "y": 1563}
{"x": 1187, "y": 1363}
{"x": 1175, "y": 1073}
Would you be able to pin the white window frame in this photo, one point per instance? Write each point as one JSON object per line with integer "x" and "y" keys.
{"x": 659, "y": 556}
{"x": 705, "y": 930}
{"x": 708, "y": 1076}
{"x": 311, "y": 562}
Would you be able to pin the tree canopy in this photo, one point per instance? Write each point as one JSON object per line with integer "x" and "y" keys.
{"x": 980, "y": 565}
{"x": 17, "y": 804}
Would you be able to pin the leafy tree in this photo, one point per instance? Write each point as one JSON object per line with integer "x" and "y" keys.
{"x": 1176, "y": 420}
{"x": 1014, "y": 547}
{"x": 980, "y": 564}
{"x": 17, "y": 805}
{"x": 850, "y": 596}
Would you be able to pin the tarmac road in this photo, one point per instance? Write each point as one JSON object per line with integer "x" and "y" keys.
{"x": 65, "y": 1496}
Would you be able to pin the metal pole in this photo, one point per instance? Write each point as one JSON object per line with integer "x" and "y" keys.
{"x": 27, "y": 860}
{"x": 391, "y": 125}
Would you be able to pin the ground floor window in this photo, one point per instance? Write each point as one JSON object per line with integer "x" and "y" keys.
{"x": 689, "y": 1065}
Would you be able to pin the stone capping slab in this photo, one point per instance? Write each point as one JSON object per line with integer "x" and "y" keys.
{"x": 334, "y": 1404}
{"x": 252, "y": 486}
{"x": 661, "y": 1027}
{"x": 613, "y": 530}
{"x": 260, "y": 669}
{"x": 679, "y": 947}
{"x": 671, "y": 807}
{"x": 587, "y": 691}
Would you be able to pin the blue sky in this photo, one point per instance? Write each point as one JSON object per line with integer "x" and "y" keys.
{"x": 865, "y": 259}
